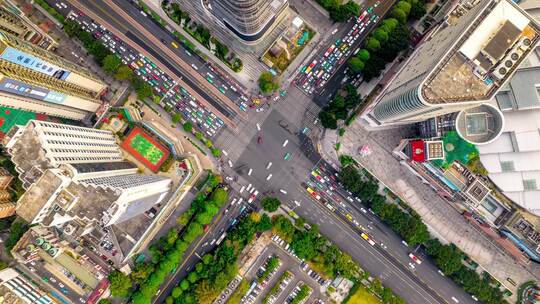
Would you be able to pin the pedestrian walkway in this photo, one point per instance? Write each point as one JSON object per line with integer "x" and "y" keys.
{"x": 440, "y": 217}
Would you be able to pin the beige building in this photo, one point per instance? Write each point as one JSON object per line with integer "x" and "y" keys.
{"x": 14, "y": 22}
{"x": 36, "y": 80}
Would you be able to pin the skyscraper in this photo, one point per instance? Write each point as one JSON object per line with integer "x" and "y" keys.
{"x": 37, "y": 80}
{"x": 40, "y": 145}
{"x": 460, "y": 64}
{"x": 249, "y": 20}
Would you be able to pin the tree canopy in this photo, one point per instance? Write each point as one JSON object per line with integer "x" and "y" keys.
{"x": 270, "y": 204}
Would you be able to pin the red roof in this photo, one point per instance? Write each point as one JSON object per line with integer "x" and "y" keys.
{"x": 417, "y": 150}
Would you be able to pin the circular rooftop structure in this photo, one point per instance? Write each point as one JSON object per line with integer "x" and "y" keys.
{"x": 480, "y": 125}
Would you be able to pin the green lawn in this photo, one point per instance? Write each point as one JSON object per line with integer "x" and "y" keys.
{"x": 146, "y": 149}
{"x": 363, "y": 296}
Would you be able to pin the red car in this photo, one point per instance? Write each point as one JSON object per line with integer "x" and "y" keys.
{"x": 259, "y": 140}
{"x": 206, "y": 228}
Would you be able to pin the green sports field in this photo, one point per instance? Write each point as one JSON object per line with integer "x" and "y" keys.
{"x": 146, "y": 149}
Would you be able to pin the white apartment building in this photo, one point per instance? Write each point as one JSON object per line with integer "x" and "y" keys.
{"x": 460, "y": 64}
{"x": 40, "y": 145}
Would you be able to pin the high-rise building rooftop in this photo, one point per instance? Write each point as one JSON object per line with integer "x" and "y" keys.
{"x": 461, "y": 63}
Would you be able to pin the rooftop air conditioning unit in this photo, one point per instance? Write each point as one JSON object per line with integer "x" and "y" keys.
{"x": 525, "y": 43}
{"x": 500, "y": 72}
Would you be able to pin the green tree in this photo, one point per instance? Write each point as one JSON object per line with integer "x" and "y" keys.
{"x": 123, "y": 73}
{"x": 141, "y": 272}
{"x": 104, "y": 301}
{"x": 3, "y": 265}
{"x": 268, "y": 83}
{"x": 216, "y": 152}
{"x": 193, "y": 230}
{"x": 373, "y": 45}
{"x": 177, "y": 292}
{"x": 447, "y": 257}
{"x": 404, "y": 6}
{"x": 380, "y": 34}
{"x": 192, "y": 277}
{"x": 206, "y": 292}
{"x": 220, "y": 196}
{"x": 399, "y": 15}
{"x": 356, "y": 65}
{"x": 270, "y": 204}
{"x": 169, "y": 300}
{"x": 390, "y": 24}
{"x": 184, "y": 284}
{"x": 363, "y": 55}
{"x": 176, "y": 117}
{"x": 120, "y": 284}
{"x": 188, "y": 126}
{"x": 111, "y": 63}
{"x": 328, "y": 120}
{"x": 207, "y": 259}
{"x": 418, "y": 10}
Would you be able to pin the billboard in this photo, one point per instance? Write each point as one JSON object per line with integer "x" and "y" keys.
{"x": 31, "y": 91}
{"x": 32, "y": 62}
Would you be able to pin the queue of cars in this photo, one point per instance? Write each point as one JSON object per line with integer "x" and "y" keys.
{"x": 176, "y": 97}
{"x": 317, "y": 73}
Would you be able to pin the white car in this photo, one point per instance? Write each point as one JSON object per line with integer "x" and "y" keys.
{"x": 285, "y": 143}
{"x": 269, "y": 176}
{"x": 282, "y": 191}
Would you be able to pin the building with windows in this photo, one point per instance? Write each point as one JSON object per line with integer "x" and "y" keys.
{"x": 37, "y": 80}
{"x": 249, "y": 20}
{"x": 40, "y": 145}
{"x": 16, "y": 289}
{"x": 460, "y": 64}
{"x": 14, "y": 22}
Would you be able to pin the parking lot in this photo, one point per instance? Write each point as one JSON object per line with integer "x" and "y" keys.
{"x": 315, "y": 75}
{"x": 282, "y": 283}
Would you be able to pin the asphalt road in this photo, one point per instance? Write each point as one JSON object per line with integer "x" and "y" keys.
{"x": 286, "y": 121}
{"x": 165, "y": 55}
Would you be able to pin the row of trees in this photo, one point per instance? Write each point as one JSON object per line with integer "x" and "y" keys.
{"x": 338, "y": 11}
{"x": 111, "y": 63}
{"x": 411, "y": 228}
{"x": 203, "y": 36}
{"x": 340, "y": 107}
{"x": 211, "y": 275}
{"x": 385, "y": 42}
{"x": 449, "y": 259}
{"x": 145, "y": 280}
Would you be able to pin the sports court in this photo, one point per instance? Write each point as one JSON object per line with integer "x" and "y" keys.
{"x": 145, "y": 149}
{"x": 10, "y": 117}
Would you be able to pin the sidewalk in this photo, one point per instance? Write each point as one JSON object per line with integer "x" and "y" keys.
{"x": 440, "y": 217}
